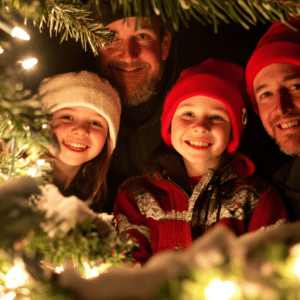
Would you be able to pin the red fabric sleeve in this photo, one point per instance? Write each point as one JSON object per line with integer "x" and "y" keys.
{"x": 270, "y": 209}
{"x": 130, "y": 221}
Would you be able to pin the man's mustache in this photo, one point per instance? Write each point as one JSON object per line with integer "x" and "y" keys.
{"x": 279, "y": 119}
{"x": 124, "y": 65}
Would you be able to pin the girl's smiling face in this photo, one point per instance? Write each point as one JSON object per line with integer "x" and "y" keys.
{"x": 81, "y": 133}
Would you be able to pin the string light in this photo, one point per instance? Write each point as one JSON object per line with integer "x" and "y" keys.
{"x": 20, "y": 33}
{"x": 31, "y": 171}
{"x": 29, "y": 63}
{"x": 219, "y": 290}
{"x": 14, "y": 31}
{"x": 9, "y": 296}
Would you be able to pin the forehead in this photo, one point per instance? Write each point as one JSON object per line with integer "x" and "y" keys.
{"x": 276, "y": 73}
{"x": 82, "y": 110}
{"x": 133, "y": 24}
{"x": 199, "y": 102}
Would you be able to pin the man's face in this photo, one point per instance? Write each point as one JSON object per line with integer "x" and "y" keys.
{"x": 134, "y": 61}
{"x": 277, "y": 93}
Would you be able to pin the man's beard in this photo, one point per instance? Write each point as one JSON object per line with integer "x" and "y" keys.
{"x": 144, "y": 92}
{"x": 289, "y": 150}
{"x": 288, "y": 144}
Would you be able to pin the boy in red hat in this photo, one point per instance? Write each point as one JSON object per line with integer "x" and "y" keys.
{"x": 202, "y": 180}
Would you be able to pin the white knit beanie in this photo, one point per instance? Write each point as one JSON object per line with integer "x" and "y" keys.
{"x": 83, "y": 89}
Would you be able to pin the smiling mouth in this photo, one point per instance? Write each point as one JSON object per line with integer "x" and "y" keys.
{"x": 198, "y": 144}
{"x": 288, "y": 125}
{"x": 75, "y": 146}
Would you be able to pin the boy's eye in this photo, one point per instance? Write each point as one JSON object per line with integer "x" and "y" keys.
{"x": 188, "y": 114}
{"x": 216, "y": 117}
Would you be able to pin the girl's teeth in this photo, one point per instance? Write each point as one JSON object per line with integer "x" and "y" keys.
{"x": 198, "y": 144}
{"x": 75, "y": 145}
{"x": 289, "y": 124}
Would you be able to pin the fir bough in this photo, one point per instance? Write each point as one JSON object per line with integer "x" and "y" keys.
{"x": 71, "y": 18}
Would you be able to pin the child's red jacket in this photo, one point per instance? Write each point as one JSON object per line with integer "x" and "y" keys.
{"x": 162, "y": 212}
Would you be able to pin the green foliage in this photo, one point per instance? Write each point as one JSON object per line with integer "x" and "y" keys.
{"x": 70, "y": 18}
{"x": 81, "y": 246}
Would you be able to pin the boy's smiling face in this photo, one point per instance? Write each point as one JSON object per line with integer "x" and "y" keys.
{"x": 81, "y": 133}
{"x": 200, "y": 132}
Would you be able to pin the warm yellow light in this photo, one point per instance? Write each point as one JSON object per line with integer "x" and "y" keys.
{"x": 297, "y": 267}
{"x": 219, "y": 290}
{"x": 40, "y": 162}
{"x": 29, "y": 63}
{"x": 15, "y": 277}
{"x": 1, "y": 50}
{"x": 59, "y": 269}
{"x": 31, "y": 171}
{"x": 9, "y": 296}
{"x": 20, "y": 33}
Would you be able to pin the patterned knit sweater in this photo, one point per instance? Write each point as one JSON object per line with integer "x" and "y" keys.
{"x": 161, "y": 211}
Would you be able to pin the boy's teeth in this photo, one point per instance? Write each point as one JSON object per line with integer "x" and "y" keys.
{"x": 199, "y": 144}
{"x": 289, "y": 124}
{"x": 75, "y": 145}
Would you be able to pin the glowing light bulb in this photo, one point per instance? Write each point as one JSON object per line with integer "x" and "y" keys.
{"x": 40, "y": 162}
{"x": 219, "y": 290}
{"x": 31, "y": 171}
{"x": 20, "y": 33}
{"x": 44, "y": 126}
{"x": 1, "y": 50}
{"x": 15, "y": 277}
{"x": 297, "y": 267}
{"x": 90, "y": 273}
{"x": 9, "y": 296}
{"x": 29, "y": 63}
{"x": 59, "y": 269}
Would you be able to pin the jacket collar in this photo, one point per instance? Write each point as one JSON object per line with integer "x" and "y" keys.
{"x": 288, "y": 176}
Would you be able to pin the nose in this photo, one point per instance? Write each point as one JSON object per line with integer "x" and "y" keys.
{"x": 81, "y": 129}
{"x": 201, "y": 125}
{"x": 128, "y": 50}
{"x": 284, "y": 102}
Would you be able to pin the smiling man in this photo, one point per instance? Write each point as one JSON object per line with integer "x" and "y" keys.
{"x": 141, "y": 63}
{"x": 273, "y": 82}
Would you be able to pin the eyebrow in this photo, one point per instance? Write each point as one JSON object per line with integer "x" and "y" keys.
{"x": 193, "y": 105}
{"x": 287, "y": 78}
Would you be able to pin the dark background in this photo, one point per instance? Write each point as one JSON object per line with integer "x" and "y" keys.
{"x": 197, "y": 43}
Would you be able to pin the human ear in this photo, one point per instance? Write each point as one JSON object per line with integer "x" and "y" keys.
{"x": 166, "y": 45}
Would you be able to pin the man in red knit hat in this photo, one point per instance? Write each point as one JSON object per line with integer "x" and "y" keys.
{"x": 273, "y": 83}
{"x": 201, "y": 180}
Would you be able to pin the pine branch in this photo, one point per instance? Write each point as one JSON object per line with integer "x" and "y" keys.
{"x": 70, "y": 18}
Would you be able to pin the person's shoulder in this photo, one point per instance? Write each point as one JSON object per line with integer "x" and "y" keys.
{"x": 254, "y": 183}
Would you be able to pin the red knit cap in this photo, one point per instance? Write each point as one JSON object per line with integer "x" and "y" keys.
{"x": 280, "y": 44}
{"x": 220, "y": 80}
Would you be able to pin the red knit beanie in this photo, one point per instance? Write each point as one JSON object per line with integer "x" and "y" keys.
{"x": 280, "y": 44}
{"x": 217, "y": 79}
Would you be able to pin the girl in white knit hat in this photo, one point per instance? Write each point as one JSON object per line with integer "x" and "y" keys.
{"x": 85, "y": 117}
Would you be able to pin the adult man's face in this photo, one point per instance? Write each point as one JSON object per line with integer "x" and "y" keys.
{"x": 134, "y": 61}
{"x": 277, "y": 93}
